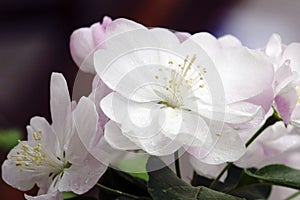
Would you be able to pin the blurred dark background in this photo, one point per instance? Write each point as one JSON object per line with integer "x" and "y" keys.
{"x": 34, "y": 41}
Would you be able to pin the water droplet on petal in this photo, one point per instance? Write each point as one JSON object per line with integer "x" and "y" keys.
{"x": 217, "y": 159}
{"x": 86, "y": 181}
{"x": 287, "y": 62}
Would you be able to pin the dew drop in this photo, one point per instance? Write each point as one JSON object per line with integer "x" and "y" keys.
{"x": 86, "y": 181}
{"x": 217, "y": 159}
{"x": 287, "y": 62}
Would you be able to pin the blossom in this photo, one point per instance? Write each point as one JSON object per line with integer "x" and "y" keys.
{"x": 85, "y": 41}
{"x": 55, "y": 156}
{"x": 286, "y": 84}
{"x": 276, "y": 145}
{"x": 167, "y": 94}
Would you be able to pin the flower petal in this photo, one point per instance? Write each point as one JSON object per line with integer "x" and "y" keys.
{"x": 228, "y": 148}
{"x": 49, "y": 196}
{"x": 228, "y": 41}
{"x": 82, "y": 177}
{"x": 86, "y": 121}
{"x": 40, "y": 127}
{"x": 114, "y": 136}
{"x": 207, "y": 170}
{"x": 60, "y": 105}
{"x": 11, "y": 173}
{"x": 274, "y": 47}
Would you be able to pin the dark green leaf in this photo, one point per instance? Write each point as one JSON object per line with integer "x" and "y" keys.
{"x": 277, "y": 175}
{"x": 123, "y": 182}
{"x": 164, "y": 184}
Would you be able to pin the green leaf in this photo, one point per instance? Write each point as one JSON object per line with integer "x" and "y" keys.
{"x": 68, "y": 195}
{"x": 9, "y": 138}
{"x": 124, "y": 182}
{"x": 164, "y": 184}
{"x": 277, "y": 175}
{"x": 237, "y": 183}
{"x": 137, "y": 164}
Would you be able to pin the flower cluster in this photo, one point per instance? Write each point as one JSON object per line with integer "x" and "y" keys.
{"x": 161, "y": 93}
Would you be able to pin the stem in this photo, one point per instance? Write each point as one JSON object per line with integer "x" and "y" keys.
{"x": 216, "y": 180}
{"x": 177, "y": 164}
{"x": 116, "y": 191}
{"x": 293, "y": 195}
{"x": 270, "y": 121}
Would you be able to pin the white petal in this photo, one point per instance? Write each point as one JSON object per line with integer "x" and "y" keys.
{"x": 86, "y": 119}
{"x": 274, "y": 46}
{"x": 81, "y": 178}
{"x": 114, "y": 136}
{"x": 228, "y": 41}
{"x": 40, "y": 127}
{"x": 235, "y": 64}
{"x": 11, "y": 173}
{"x": 50, "y": 196}
{"x": 227, "y": 148}
{"x": 209, "y": 171}
{"x": 60, "y": 105}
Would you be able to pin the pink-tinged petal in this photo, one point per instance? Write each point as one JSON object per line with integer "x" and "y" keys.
{"x": 234, "y": 64}
{"x": 274, "y": 46}
{"x": 286, "y": 102}
{"x": 40, "y": 131}
{"x": 264, "y": 99}
{"x": 84, "y": 41}
{"x": 86, "y": 122}
{"x": 228, "y": 41}
{"x": 182, "y": 36}
{"x": 81, "y": 47}
{"x": 295, "y": 118}
{"x": 292, "y": 53}
{"x": 284, "y": 77}
{"x": 11, "y": 174}
{"x": 60, "y": 105}
{"x": 120, "y": 26}
{"x": 114, "y": 136}
{"x": 96, "y": 96}
{"x": 48, "y": 196}
{"x": 82, "y": 177}
{"x": 105, "y": 153}
{"x": 99, "y": 31}
{"x": 209, "y": 171}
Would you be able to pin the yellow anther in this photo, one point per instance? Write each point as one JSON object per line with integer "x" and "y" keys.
{"x": 27, "y": 164}
{"x": 33, "y": 158}
{"x": 19, "y": 159}
{"x": 156, "y": 77}
{"x": 35, "y": 136}
{"x": 21, "y": 169}
{"x": 18, "y": 163}
{"x": 40, "y": 131}
{"x": 170, "y": 62}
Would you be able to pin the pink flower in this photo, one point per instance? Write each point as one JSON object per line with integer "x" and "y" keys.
{"x": 55, "y": 157}
{"x": 286, "y": 63}
{"x": 85, "y": 41}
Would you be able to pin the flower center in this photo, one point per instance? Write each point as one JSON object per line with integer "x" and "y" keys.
{"x": 181, "y": 78}
{"x": 37, "y": 158}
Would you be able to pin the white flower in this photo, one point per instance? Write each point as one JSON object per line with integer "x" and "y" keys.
{"x": 55, "y": 157}
{"x": 286, "y": 63}
{"x": 168, "y": 95}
